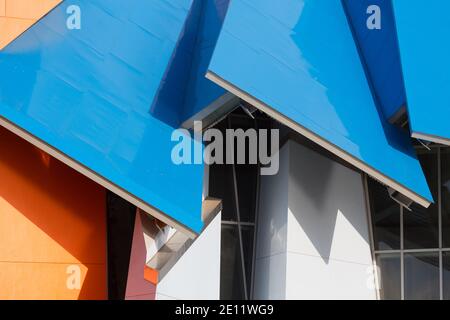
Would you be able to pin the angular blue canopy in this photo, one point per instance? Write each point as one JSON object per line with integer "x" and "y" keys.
{"x": 201, "y": 92}
{"x": 185, "y": 94}
{"x": 298, "y": 62}
{"x": 423, "y": 33}
{"x": 380, "y": 54}
{"x": 86, "y": 97}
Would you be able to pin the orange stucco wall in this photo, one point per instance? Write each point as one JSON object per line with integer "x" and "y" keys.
{"x": 16, "y": 16}
{"x": 52, "y": 227}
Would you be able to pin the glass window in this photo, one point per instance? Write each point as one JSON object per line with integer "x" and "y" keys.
{"x": 246, "y": 176}
{"x": 445, "y": 194}
{"x": 385, "y": 217}
{"x": 389, "y": 275}
{"x": 421, "y": 225}
{"x": 231, "y": 277}
{"x": 422, "y": 276}
{"x": 247, "y": 242}
{"x": 221, "y": 186}
{"x": 420, "y": 229}
{"x": 237, "y": 186}
{"x": 446, "y": 274}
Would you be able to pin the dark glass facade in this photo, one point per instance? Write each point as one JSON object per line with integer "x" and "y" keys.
{"x": 237, "y": 185}
{"x": 412, "y": 247}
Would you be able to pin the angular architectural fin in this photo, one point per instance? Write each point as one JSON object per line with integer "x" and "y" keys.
{"x": 85, "y": 96}
{"x": 423, "y": 33}
{"x": 299, "y": 64}
{"x": 378, "y": 48}
{"x": 165, "y": 245}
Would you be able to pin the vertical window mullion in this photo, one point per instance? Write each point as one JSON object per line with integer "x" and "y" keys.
{"x": 238, "y": 214}
{"x": 415, "y": 258}
{"x": 402, "y": 256}
{"x": 377, "y": 271}
{"x": 441, "y": 284}
{"x": 441, "y": 288}
{"x": 255, "y": 229}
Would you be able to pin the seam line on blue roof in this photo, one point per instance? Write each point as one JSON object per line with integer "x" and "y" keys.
{"x": 95, "y": 177}
{"x": 317, "y": 139}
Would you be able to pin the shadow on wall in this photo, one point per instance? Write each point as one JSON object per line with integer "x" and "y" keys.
{"x": 327, "y": 198}
{"x": 51, "y": 215}
{"x": 137, "y": 287}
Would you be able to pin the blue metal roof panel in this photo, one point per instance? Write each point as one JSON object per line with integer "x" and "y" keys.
{"x": 380, "y": 54}
{"x": 184, "y": 91}
{"x": 423, "y": 33}
{"x": 88, "y": 93}
{"x": 201, "y": 92}
{"x": 299, "y": 61}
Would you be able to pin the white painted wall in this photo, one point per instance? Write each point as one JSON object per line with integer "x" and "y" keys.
{"x": 314, "y": 238}
{"x": 196, "y": 275}
{"x": 271, "y": 244}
